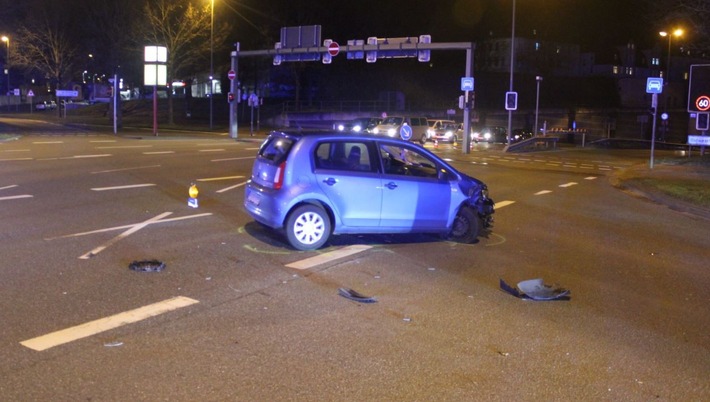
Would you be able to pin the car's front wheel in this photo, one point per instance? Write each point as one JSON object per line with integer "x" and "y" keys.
{"x": 308, "y": 227}
{"x": 423, "y": 139}
{"x": 466, "y": 226}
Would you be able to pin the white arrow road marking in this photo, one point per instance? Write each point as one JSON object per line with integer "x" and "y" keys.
{"x": 90, "y": 328}
{"x": 127, "y": 233}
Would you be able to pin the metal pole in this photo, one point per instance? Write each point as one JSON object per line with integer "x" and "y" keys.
{"x": 467, "y": 109}
{"x": 512, "y": 65}
{"x": 155, "y": 110}
{"x": 654, "y": 103}
{"x": 234, "y": 88}
{"x": 668, "y": 62}
{"x": 537, "y": 102}
{"x": 211, "y": 58}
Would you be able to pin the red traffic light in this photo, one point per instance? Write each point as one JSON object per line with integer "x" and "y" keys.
{"x": 230, "y": 97}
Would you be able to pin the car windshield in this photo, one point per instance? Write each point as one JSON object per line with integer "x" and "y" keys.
{"x": 392, "y": 121}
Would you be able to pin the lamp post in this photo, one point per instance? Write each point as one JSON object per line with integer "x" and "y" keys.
{"x": 211, "y": 58}
{"x": 537, "y": 101}
{"x": 677, "y": 32}
{"x": 512, "y": 65}
{"x": 7, "y": 63}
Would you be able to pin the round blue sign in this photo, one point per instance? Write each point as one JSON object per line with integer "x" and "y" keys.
{"x": 405, "y": 132}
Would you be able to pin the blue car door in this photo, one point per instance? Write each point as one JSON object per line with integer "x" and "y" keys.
{"x": 349, "y": 179}
{"x": 414, "y": 197}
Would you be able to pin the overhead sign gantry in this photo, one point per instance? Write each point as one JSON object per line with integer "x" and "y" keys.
{"x": 304, "y": 44}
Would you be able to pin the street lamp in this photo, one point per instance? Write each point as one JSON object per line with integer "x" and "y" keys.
{"x": 211, "y": 58}
{"x": 537, "y": 102}
{"x": 677, "y": 32}
{"x": 512, "y": 65}
{"x": 7, "y": 63}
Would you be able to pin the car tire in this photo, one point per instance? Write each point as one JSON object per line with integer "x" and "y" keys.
{"x": 467, "y": 226}
{"x": 423, "y": 139}
{"x": 308, "y": 227}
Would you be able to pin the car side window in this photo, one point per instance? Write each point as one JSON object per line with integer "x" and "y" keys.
{"x": 405, "y": 161}
{"x": 343, "y": 155}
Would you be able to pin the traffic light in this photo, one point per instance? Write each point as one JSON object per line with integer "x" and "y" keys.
{"x": 702, "y": 121}
{"x": 511, "y": 101}
{"x": 230, "y": 97}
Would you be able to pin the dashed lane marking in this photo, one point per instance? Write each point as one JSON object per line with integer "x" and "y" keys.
{"x": 122, "y": 187}
{"x": 231, "y": 187}
{"x": 158, "y": 152}
{"x": 232, "y": 159}
{"x": 543, "y": 192}
{"x": 221, "y": 178}
{"x": 501, "y": 204}
{"x": 124, "y": 169}
{"x": 90, "y": 328}
{"x": 327, "y": 257}
{"x": 570, "y": 184}
{"x": 125, "y": 147}
{"x": 15, "y": 197}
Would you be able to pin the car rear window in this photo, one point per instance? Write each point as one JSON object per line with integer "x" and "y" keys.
{"x": 276, "y": 149}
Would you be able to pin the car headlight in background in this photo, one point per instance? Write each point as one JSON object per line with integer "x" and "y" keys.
{"x": 357, "y": 128}
{"x": 375, "y": 130}
{"x": 341, "y": 127}
{"x": 391, "y": 132}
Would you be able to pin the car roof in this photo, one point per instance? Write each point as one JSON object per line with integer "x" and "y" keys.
{"x": 313, "y": 133}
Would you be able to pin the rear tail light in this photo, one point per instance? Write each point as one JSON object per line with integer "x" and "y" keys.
{"x": 279, "y": 176}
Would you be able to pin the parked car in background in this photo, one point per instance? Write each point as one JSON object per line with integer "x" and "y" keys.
{"x": 437, "y": 129}
{"x": 359, "y": 125}
{"x": 490, "y": 134}
{"x": 312, "y": 185}
{"x": 392, "y": 127}
{"x": 46, "y": 105}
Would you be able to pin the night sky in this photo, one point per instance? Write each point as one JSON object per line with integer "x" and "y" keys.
{"x": 594, "y": 24}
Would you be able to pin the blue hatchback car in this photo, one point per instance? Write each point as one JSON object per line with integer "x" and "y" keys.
{"x": 316, "y": 184}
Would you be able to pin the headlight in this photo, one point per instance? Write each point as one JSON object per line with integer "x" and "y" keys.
{"x": 375, "y": 130}
{"x": 357, "y": 128}
{"x": 430, "y": 132}
{"x": 391, "y": 132}
{"x": 341, "y": 127}
{"x": 487, "y": 136}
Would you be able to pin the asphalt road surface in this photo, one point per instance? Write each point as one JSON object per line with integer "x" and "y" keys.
{"x": 238, "y": 315}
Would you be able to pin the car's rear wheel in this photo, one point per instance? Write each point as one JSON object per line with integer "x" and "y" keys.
{"x": 423, "y": 139}
{"x": 308, "y": 227}
{"x": 466, "y": 226}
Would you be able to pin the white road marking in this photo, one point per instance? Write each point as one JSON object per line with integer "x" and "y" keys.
{"x": 221, "y": 178}
{"x": 121, "y": 170}
{"x": 10, "y": 186}
{"x": 125, "y": 146}
{"x": 158, "y": 152}
{"x": 122, "y": 187}
{"x": 86, "y": 156}
{"x": 543, "y": 192}
{"x": 90, "y": 328}
{"x": 231, "y": 187}
{"x": 180, "y": 218}
{"x": 15, "y": 197}
{"x": 590, "y": 178}
{"x": 570, "y": 184}
{"x": 48, "y": 142}
{"x": 327, "y": 257}
{"x": 211, "y": 150}
{"x": 232, "y": 159}
{"x": 502, "y": 204}
{"x": 15, "y": 159}
{"x": 96, "y": 141}
{"x": 127, "y": 233}
{"x": 16, "y": 150}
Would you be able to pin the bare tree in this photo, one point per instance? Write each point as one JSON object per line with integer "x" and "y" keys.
{"x": 45, "y": 46}
{"x": 185, "y": 30}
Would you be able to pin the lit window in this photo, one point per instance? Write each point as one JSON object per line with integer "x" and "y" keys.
{"x": 615, "y": 70}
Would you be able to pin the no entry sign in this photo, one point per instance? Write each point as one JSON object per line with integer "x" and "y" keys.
{"x": 333, "y": 49}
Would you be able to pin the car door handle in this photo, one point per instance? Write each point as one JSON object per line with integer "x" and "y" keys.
{"x": 330, "y": 181}
{"x": 391, "y": 185}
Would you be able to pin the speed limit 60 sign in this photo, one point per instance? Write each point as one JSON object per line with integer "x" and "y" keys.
{"x": 699, "y": 88}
